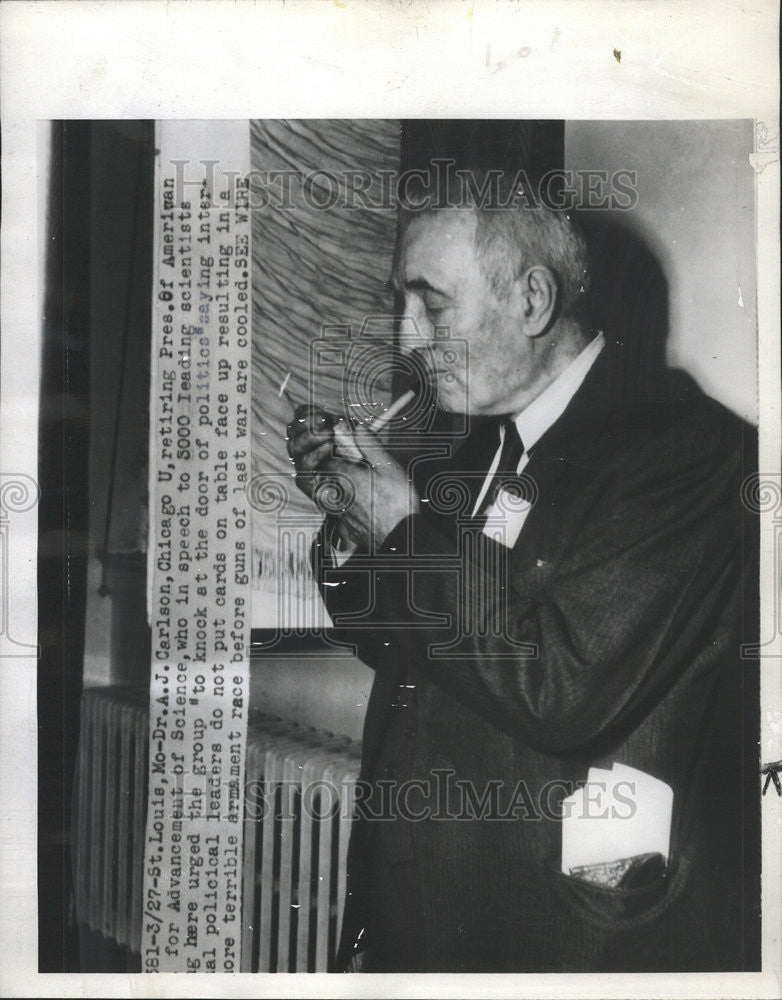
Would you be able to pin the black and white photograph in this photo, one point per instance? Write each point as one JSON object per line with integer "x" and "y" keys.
{"x": 400, "y": 524}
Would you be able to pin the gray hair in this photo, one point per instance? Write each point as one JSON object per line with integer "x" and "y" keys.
{"x": 508, "y": 241}
{"x": 515, "y": 231}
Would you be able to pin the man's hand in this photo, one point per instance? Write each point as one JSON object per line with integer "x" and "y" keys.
{"x": 367, "y": 497}
{"x": 380, "y": 493}
{"x": 310, "y": 442}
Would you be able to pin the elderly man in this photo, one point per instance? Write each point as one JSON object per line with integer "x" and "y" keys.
{"x": 586, "y": 615}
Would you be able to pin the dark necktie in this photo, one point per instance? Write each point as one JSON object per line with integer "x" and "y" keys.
{"x": 505, "y": 474}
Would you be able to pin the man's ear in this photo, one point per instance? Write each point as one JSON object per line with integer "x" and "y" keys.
{"x": 537, "y": 292}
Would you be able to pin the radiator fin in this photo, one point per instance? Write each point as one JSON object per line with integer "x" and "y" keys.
{"x": 298, "y": 808}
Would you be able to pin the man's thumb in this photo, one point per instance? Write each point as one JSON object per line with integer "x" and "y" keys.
{"x": 345, "y": 441}
{"x": 372, "y": 451}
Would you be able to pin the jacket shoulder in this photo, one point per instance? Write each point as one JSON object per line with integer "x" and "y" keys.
{"x": 674, "y": 415}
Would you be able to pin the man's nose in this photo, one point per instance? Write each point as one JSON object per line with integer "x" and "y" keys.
{"x": 413, "y": 336}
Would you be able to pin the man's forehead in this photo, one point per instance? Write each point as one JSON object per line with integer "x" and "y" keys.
{"x": 436, "y": 243}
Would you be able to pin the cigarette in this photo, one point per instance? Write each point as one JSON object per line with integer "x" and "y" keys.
{"x": 380, "y": 421}
{"x": 343, "y": 434}
{"x": 284, "y": 385}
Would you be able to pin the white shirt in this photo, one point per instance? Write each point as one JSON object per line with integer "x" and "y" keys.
{"x": 505, "y": 520}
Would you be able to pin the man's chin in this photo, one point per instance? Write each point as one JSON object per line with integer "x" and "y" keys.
{"x": 452, "y": 401}
{"x": 459, "y": 410}
{"x": 452, "y": 405}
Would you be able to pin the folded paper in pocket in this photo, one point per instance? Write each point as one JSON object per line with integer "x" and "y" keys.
{"x": 505, "y": 519}
{"x": 618, "y": 814}
{"x": 626, "y": 873}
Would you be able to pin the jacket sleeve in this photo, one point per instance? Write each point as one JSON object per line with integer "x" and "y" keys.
{"x": 648, "y": 587}
{"x": 347, "y": 591}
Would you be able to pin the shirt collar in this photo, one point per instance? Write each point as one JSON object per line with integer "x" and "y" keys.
{"x": 545, "y": 409}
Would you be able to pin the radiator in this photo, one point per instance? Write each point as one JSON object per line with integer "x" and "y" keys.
{"x": 299, "y": 786}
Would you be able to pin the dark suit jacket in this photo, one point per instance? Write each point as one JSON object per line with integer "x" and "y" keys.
{"x": 610, "y": 632}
